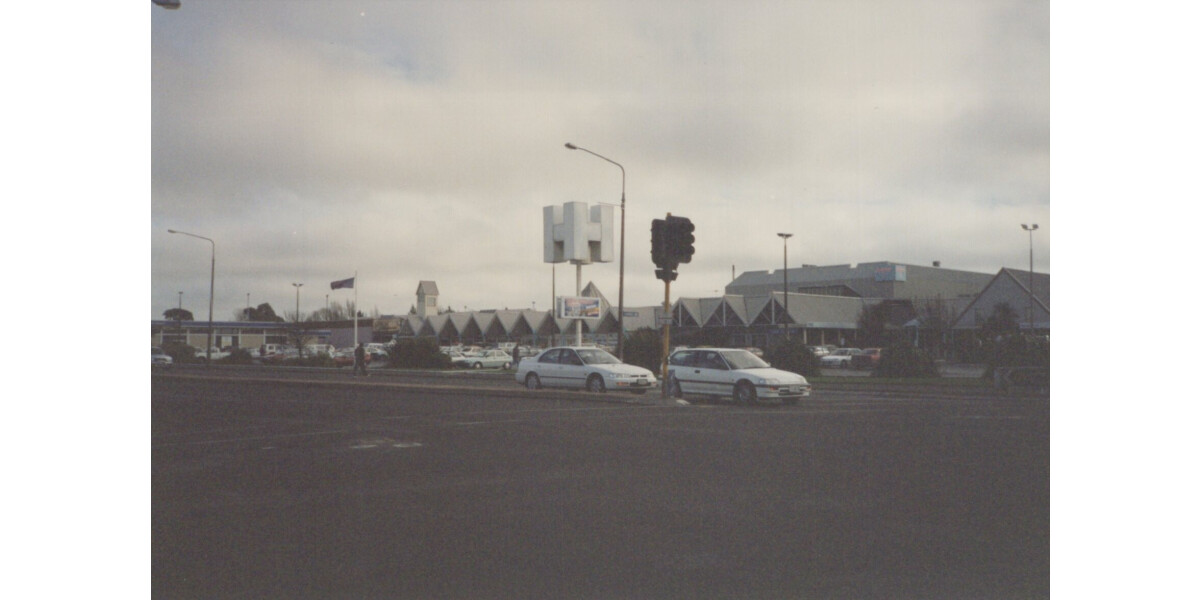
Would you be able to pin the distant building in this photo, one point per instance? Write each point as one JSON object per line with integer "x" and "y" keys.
{"x": 1011, "y": 287}
{"x": 427, "y": 299}
{"x": 882, "y": 280}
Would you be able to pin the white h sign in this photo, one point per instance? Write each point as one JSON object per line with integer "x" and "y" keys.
{"x": 574, "y": 233}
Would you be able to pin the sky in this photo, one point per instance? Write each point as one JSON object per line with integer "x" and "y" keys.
{"x": 410, "y": 141}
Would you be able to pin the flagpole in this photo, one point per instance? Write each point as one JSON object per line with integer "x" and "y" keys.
{"x": 356, "y": 308}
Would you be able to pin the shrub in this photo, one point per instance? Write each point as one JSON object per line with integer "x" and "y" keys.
{"x": 905, "y": 360}
{"x": 792, "y": 355}
{"x": 181, "y": 353}
{"x": 417, "y": 353}
{"x": 1017, "y": 350}
{"x": 238, "y": 356}
{"x": 644, "y": 349}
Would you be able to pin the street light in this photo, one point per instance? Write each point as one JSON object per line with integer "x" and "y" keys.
{"x": 299, "y": 345}
{"x": 787, "y": 333}
{"x": 1030, "y": 229}
{"x": 212, "y": 277}
{"x": 621, "y": 276}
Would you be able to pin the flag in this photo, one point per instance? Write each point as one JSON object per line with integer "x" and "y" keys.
{"x": 345, "y": 283}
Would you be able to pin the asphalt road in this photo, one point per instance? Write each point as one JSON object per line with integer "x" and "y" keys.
{"x": 306, "y": 486}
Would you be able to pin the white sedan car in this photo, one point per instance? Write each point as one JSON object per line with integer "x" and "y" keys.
{"x": 732, "y": 372}
{"x": 839, "y": 358}
{"x": 589, "y": 368}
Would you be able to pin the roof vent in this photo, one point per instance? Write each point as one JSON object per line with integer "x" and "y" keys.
{"x": 937, "y": 263}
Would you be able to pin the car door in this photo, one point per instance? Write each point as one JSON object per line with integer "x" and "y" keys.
{"x": 573, "y": 372}
{"x": 547, "y": 368}
{"x": 683, "y": 370}
{"x": 712, "y": 374}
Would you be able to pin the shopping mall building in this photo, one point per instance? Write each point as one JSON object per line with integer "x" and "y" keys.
{"x": 822, "y": 304}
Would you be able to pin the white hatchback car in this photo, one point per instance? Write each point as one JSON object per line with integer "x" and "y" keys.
{"x": 589, "y": 368}
{"x": 732, "y": 372}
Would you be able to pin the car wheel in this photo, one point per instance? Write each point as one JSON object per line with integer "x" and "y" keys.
{"x": 744, "y": 393}
{"x": 533, "y": 382}
{"x": 507, "y": 365}
{"x": 477, "y": 366}
{"x": 595, "y": 384}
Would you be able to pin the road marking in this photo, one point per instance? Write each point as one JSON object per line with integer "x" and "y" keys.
{"x": 257, "y": 438}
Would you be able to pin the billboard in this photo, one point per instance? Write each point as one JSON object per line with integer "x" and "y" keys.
{"x": 891, "y": 273}
{"x": 578, "y": 307}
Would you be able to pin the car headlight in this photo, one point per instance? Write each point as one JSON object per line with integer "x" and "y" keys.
{"x": 768, "y": 382}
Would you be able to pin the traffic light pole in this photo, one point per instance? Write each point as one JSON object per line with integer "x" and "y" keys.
{"x": 666, "y": 338}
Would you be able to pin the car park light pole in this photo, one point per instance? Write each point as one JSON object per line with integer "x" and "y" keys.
{"x": 787, "y": 333}
{"x": 621, "y": 276}
{"x": 212, "y": 277}
{"x": 1030, "y": 229}
{"x": 299, "y": 339}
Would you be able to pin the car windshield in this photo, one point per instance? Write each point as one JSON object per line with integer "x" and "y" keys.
{"x": 595, "y": 356}
{"x": 744, "y": 359}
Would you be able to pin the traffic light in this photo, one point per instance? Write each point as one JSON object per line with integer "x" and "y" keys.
{"x": 681, "y": 239}
{"x": 671, "y": 243}
{"x": 658, "y": 243}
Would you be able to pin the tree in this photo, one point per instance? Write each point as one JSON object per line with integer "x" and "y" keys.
{"x": 263, "y": 312}
{"x": 872, "y": 324}
{"x": 1002, "y": 322}
{"x": 178, "y": 314}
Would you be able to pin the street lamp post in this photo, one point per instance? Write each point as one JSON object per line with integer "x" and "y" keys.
{"x": 212, "y": 277}
{"x": 621, "y": 276}
{"x": 299, "y": 339}
{"x": 1030, "y": 229}
{"x": 787, "y": 333}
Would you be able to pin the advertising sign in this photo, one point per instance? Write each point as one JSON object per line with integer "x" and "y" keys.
{"x": 578, "y": 307}
{"x": 891, "y": 273}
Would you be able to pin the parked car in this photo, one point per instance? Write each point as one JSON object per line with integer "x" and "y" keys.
{"x": 488, "y": 359}
{"x": 867, "y": 359}
{"x": 734, "y": 373}
{"x": 217, "y": 353}
{"x": 587, "y": 368}
{"x": 819, "y": 351}
{"x": 160, "y": 359}
{"x": 839, "y": 358}
{"x": 345, "y": 358}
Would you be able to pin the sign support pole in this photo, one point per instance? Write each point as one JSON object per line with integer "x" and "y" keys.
{"x": 578, "y": 288}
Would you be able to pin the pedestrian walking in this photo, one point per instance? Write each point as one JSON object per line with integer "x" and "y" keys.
{"x": 360, "y": 361}
{"x": 516, "y": 356}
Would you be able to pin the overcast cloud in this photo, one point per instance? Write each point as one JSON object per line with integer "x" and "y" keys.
{"x": 414, "y": 141}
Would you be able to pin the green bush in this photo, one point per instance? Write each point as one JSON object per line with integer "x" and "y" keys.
{"x": 792, "y": 355}
{"x": 905, "y": 360}
{"x": 417, "y": 353}
{"x": 1017, "y": 350}
{"x": 644, "y": 349}
{"x": 181, "y": 353}
{"x": 238, "y": 356}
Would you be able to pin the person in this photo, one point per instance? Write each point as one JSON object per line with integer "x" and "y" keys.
{"x": 360, "y": 360}
{"x": 516, "y": 356}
